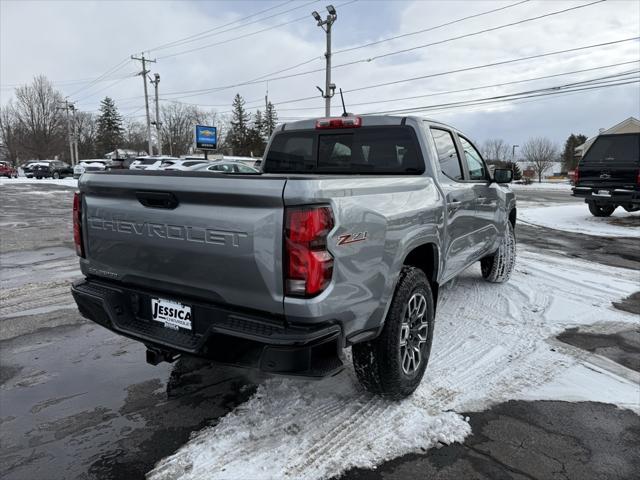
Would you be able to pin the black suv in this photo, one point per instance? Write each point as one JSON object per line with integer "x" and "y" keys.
{"x": 53, "y": 169}
{"x": 608, "y": 176}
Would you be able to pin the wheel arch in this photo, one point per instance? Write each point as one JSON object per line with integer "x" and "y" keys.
{"x": 426, "y": 257}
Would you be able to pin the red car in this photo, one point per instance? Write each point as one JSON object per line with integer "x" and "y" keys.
{"x": 6, "y": 170}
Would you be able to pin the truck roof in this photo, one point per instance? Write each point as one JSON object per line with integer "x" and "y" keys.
{"x": 367, "y": 121}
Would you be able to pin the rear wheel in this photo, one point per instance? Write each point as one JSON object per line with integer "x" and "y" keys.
{"x": 497, "y": 268}
{"x": 393, "y": 364}
{"x": 601, "y": 210}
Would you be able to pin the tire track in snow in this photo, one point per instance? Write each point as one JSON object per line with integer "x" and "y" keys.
{"x": 490, "y": 345}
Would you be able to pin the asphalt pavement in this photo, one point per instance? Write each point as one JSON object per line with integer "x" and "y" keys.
{"x": 79, "y": 402}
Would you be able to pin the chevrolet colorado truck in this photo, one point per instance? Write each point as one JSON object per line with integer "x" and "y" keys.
{"x": 343, "y": 240}
{"x": 608, "y": 175}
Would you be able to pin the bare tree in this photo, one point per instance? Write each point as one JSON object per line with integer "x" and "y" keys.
{"x": 540, "y": 153}
{"x": 135, "y": 136}
{"x": 495, "y": 150}
{"x": 178, "y": 122}
{"x": 87, "y": 129}
{"x": 38, "y": 115}
{"x": 10, "y": 132}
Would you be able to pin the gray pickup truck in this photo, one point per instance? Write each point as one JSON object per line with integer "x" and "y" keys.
{"x": 342, "y": 240}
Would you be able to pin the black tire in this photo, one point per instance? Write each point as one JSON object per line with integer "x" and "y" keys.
{"x": 56, "y": 175}
{"x": 379, "y": 364}
{"x": 497, "y": 268}
{"x": 601, "y": 210}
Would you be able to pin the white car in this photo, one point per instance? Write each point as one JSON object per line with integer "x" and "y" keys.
{"x": 92, "y": 165}
{"x": 150, "y": 163}
{"x": 184, "y": 164}
{"x": 224, "y": 166}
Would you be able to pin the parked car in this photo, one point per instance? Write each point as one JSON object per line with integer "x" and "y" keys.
{"x": 7, "y": 170}
{"x": 52, "y": 169}
{"x": 608, "y": 175}
{"x": 150, "y": 163}
{"x": 183, "y": 164}
{"x": 27, "y": 168}
{"x": 343, "y": 240}
{"x": 225, "y": 166}
{"x": 92, "y": 165}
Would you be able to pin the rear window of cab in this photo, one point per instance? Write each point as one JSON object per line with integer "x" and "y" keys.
{"x": 365, "y": 150}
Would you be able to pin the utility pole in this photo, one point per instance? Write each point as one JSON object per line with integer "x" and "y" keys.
{"x": 513, "y": 152}
{"x": 67, "y": 106}
{"x": 146, "y": 95}
{"x": 157, "y": 122}
{"x": 75, "y": 136}
{"x": 326, "y": 24}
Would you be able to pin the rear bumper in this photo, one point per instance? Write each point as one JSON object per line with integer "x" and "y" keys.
{"x": 220, "y": 334}
{"x": 608, "y": 196}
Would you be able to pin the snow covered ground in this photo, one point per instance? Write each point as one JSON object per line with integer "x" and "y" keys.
{"x": 67, "y": 182}
{"x": 547, "y": 186}
{"x": 492, "y": 343}
{"x": 577, "y": 218}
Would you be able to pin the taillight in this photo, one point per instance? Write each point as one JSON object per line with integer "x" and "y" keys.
{"x": 339, "y": 122}
{"x": 77, "y": 224}
{"x": 308, "y": 263}
{"x": 576, "y": 176}
{"x": 638, "y": 179}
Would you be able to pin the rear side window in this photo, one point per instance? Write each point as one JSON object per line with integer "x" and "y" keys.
{"x": 624, "y": 148}
{"x": 368, "y": 150}
{"x": 447, "y": 153}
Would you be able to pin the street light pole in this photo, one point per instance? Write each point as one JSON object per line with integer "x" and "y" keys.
{"x": 513, "y": 152}
{"x": 326, "y": 24}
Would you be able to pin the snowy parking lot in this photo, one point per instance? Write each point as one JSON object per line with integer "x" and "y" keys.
{"x": 80, "y": 400}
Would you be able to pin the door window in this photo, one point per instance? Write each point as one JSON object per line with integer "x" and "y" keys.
{"x": 475, "y": 164}
{"x": 447, "y": 153}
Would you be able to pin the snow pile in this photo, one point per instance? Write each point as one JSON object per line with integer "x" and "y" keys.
{"x": 578, "y": 219}
{"x": 492, "y": 343}
{"x": 307, "y": 430}
{"x": 548, "y": 186}
{"x": 67, "y": 182}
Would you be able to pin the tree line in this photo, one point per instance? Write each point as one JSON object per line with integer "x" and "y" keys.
{"x": 539, "y": 153}
{"x": 34, "y": 126}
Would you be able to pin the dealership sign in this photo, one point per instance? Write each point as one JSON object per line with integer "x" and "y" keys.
{"x": 206, "y": 137}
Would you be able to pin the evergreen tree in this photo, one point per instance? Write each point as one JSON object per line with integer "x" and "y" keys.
{"x": 569, "y": 162}
{"x": 109, "y": 134}
{"x": 259, "y": 125}
{"x": 239, "y": 132}
{"x": 270, "y": 119}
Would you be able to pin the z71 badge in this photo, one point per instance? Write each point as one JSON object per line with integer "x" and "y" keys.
{"x": 352, "y": 238}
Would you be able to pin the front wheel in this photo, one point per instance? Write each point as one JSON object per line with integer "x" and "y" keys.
{"x": 393, "y": 364}
{"x": 497, "y": 268}
{"x": 601, "y": 210}
{"x": 56, "y": 175}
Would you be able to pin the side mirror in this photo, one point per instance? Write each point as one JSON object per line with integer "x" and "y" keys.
{"x": 502, "y": 175}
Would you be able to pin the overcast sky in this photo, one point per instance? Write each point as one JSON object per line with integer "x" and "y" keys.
{"x": 73, "y": 42}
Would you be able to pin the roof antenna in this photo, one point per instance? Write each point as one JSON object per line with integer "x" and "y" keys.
{"x": 344, "y": 109}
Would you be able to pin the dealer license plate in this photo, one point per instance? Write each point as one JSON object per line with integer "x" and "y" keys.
{"x": 173, "y": 315}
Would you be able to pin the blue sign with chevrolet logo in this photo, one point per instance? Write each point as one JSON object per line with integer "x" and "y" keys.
{"x": 206, "y": 137}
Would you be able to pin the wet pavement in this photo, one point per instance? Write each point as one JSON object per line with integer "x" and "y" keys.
{"x": 79, "y": 402}
{"x": 530, "y": 440}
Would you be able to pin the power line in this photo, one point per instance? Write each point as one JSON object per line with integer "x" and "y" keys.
{"x": 452, "y": 22}
{"x": 195, "y": 49}
{"x": 131, "y": 75}
{"x": 111, "y": 71}
{"x": 508, "y": 97}
{"x": 389, "y": 39}
{"x": 468, "y": 69}
{"x": 216, "y": 31}
{"x": 193, "y": 93}
{"x": 435, "y": 94}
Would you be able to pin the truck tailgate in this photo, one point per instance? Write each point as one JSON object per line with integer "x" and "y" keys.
{"x": 212, "y": 237}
